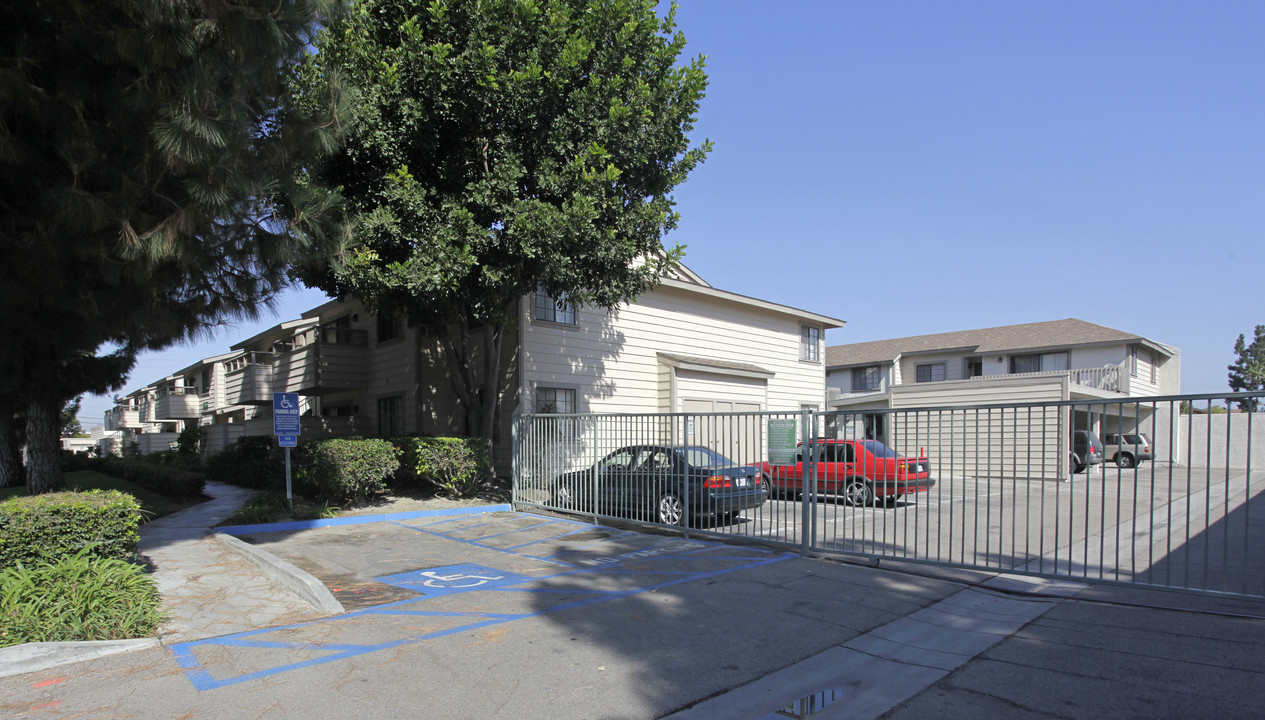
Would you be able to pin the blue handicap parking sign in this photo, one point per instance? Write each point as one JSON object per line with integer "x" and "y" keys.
{"x": 285, "y": 414}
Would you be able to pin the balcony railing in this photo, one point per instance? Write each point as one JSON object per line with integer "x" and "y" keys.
{"x": 248, "y": 379}
{"x": 177, "y": 403}
{"x": 123, "y": 417}
{"x": 322, "y": 360}
{"x": 1109, "y": 378}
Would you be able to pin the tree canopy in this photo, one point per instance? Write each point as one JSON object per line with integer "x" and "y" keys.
{"x": 146, "y": 157}
{"x": 500, "y": 146}
{"x": 1247, "y": 374}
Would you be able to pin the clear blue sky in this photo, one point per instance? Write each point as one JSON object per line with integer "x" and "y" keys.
{"x": 924, "y": 167}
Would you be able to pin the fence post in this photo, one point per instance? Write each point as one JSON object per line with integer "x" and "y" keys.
{"x": 685, "y": 444}
{"x": 808, "y": 478}
{"x": 515, "y": 467}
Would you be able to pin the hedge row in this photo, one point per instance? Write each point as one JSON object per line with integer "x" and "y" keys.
{"x": 168, "y": 480}
{"x": 53, "y": 526}
{"x": 353, "y": 469}
{"x": 345, "y": 469}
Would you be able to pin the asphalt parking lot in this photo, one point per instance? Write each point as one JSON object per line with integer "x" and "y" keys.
{"x": 498, "y": 614}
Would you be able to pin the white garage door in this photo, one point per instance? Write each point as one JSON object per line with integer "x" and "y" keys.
{"x": 737, "y": 437}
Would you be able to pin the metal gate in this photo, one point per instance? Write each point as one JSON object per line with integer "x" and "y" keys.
{"x": 1154, "y": 491}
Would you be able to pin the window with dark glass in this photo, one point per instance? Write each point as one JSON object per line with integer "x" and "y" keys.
{"x": 929, "y": 372}
{"x": 555, "y": 400}
{"x": 809, "y": 343}
{"x": 389, "y": 327}
{"x": 865, "y": 378}
{"x": 390, "y": 416}
{"x": 559, "y": 310}
{"x": 1039, "y": 362}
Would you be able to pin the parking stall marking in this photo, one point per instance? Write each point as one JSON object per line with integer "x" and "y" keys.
{"x": 212, "y": 663}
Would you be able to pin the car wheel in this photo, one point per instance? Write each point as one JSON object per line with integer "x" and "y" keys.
{"x": 1124, "y": 460}
{"x": 1078, "y": 469}
{"x": 858, "y": 493}
{"x": 766, "y": 484}
{"x": 671, "y": 510}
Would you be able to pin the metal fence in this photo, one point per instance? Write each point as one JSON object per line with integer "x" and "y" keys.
{"x": 1171, "y": 498}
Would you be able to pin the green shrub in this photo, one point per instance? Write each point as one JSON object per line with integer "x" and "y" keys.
{"x": 76, "y": 598}
{"x": 345, "y": 469}
{"x": 189, "y": 442}
{"x": 261, "y": 508}
{"x": 53, "y": 526}
{"x": 272, "y": 507}
{"x": 458, "y": 467}
{"x": 253, "y": 461}
{"x": 74, "y": 462}
{"x": 175, "y": 458}
{"x": 168, "y": 480}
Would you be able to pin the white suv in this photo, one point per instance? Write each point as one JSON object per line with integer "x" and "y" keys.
{"x": 1128, "y": 450}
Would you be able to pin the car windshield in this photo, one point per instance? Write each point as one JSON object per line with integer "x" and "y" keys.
{"x": 878, "y": 449}
{"x": 703, "y": 457}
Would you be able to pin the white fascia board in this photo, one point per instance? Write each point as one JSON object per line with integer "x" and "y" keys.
{"x": 826, "y": 321}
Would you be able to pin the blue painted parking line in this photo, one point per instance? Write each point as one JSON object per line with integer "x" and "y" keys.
{"x": 436, "y": 582}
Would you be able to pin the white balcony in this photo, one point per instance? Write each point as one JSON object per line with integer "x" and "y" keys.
{"x": 248, "y": 380}
{"x": 177, "y": 403}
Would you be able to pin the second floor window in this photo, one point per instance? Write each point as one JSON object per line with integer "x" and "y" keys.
{"x": 930, "y": 372}
{"x": 809, "y": 343}
{"x": 558, "y": 310}
{"x": 388, "y": 327}
{"x": 1041, "y": 362}
{"x": 865, "y": 378}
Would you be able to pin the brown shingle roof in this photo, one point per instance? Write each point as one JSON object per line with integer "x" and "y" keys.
{"x": 1005, "y": 339}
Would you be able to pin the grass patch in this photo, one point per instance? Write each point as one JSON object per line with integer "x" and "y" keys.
{"x": 75, "y": 599}
{"x": 269, "y": 507}
{"x": 153, "y": 505}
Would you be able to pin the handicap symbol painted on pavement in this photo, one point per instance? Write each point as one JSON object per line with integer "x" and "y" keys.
{"x": 434, "y": 582}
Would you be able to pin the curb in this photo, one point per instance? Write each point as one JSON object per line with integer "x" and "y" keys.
{"x": 32, "y": 657}
{"x": 299, "y": 582}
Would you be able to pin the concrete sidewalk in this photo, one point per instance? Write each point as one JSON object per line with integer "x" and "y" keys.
{"x": 208, "y": 588}
{"x": 579, "y": 621}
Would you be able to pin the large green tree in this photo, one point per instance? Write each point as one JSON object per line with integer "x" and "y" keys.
{"x": 1247, "y": 374}
{"x": 497, "y": 147}
{"x": 146, "y": 193}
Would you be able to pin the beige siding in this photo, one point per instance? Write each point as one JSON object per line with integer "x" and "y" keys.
{"x": 981, "y": 391}
{"x": 613, "y": 358}
{"x": 952, "y": 362}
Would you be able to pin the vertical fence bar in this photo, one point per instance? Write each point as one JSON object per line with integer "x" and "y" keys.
{"x": 807, "y": 479}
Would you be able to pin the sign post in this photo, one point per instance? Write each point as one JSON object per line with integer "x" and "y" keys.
{"x": 286, "y": 426}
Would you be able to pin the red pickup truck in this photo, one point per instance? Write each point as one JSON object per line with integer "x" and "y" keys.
{"x": 861, "y": 471}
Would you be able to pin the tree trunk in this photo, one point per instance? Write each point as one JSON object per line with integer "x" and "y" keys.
{"x": 10, "y": 449}
{"x": 491, "y": 395}
{"x": 43, "y": 450}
